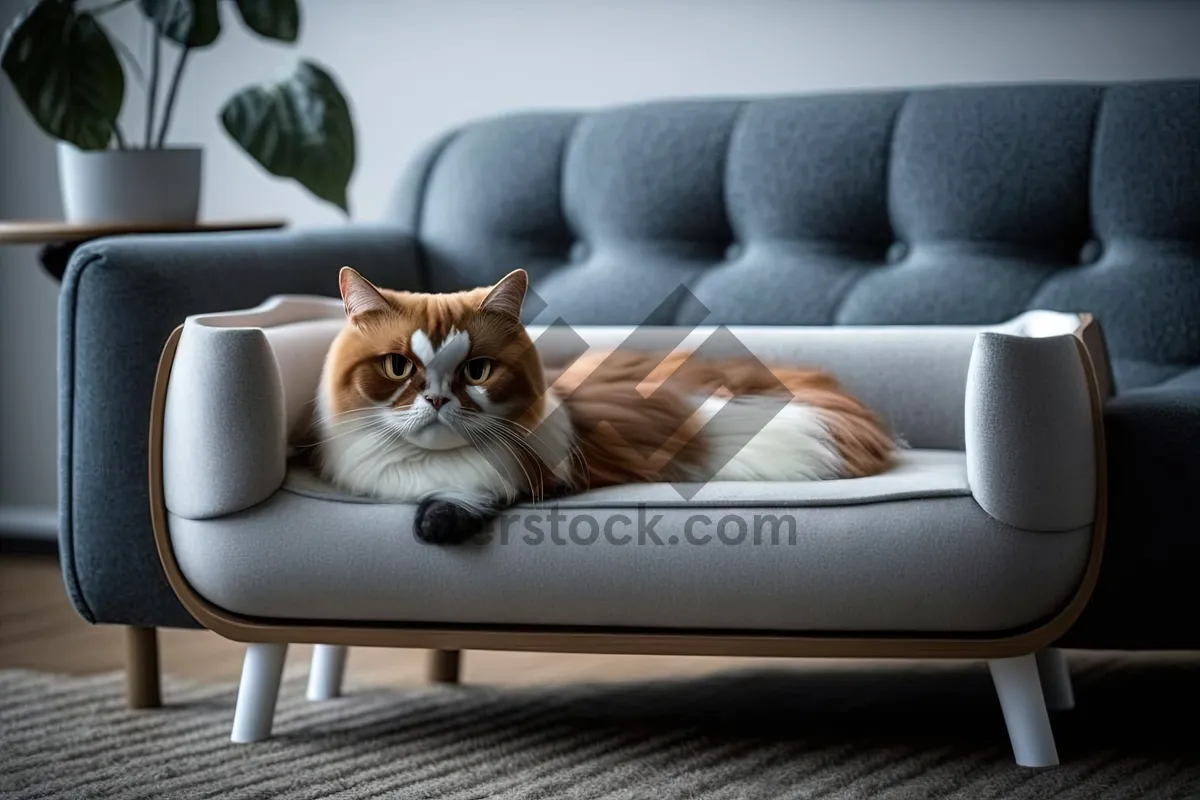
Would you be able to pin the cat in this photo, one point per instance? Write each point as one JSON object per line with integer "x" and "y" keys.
{"x": 443, "y": 400}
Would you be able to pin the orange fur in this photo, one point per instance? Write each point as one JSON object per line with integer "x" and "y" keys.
{"x": 631, "y": 413}
{"x": 604, "y": 383}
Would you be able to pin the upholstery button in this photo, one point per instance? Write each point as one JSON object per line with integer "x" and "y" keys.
{"x": 1090, "y": 252}
{"x": 733, "y": 252}
{"x": 580, "y": 251}
{"x": 897, "y": 252}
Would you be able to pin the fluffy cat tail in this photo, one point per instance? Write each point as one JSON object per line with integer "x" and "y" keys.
{"x": 758, "y": 438}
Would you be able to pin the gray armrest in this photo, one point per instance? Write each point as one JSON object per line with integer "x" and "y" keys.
{"x": 242, "y": 387}
{"x": 1031, "y": 443}
{"x": 1153, "y": 436}
{"x": 121, "y": 299}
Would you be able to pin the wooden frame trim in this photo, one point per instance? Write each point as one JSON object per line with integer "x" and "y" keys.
{"x": 649, "y": 642}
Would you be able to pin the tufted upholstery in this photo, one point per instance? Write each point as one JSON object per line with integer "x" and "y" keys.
{"x": 949, "y": 205}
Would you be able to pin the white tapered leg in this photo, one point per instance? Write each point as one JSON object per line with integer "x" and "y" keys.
{"x": 261, "y": 673}
{"x": 1056, "y": 679}
{"x": 1020, "y": 690}
{"x": 326, "y": 671}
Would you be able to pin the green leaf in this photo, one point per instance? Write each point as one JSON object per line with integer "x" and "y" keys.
{"x": 191, "y": 23}
{"x": 66, "y": 72}
{"x": 298, "y": 128}
{"x": 273, "y": 19}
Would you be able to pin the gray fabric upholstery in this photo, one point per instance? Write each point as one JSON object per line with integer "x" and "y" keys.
{"x": 241, "y": 395}
{"x": 228, "y": 442}
{"x": 1031, "y": 455}
{"x": 917, "y": 474}
{"x": 934, "y": 565}
{"x": 938, "y": 206}
{"x": 1146, "y": 594}
{"x": 120, "y": 300}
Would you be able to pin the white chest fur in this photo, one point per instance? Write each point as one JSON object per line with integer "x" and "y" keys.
{"x": 359, "y": 453}
{"x": 363, "y": 458}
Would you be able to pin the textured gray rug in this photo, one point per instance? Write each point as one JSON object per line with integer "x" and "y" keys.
{"x": 907, "y": 732}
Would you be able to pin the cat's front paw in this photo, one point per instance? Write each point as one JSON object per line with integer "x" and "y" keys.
{"x": 445, "y": 522}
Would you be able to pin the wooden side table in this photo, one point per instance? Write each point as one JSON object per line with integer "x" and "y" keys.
{"x": 59, "y": 240}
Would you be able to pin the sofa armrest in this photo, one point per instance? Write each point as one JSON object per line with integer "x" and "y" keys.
{"x": 241, "y": 388}
{"x": 1153, "y": 435}
{"x": 120, "y": 300}
{"x": 1031, "y": 431}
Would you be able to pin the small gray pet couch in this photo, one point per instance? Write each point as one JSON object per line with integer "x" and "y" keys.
{"x": 983, "y": 542}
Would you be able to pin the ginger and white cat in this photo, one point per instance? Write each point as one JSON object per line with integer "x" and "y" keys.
{"x": 443, "y": 400}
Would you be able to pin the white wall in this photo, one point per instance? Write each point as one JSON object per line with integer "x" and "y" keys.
{"x": 415, "y": 67}
{"x": 28, "y": 296}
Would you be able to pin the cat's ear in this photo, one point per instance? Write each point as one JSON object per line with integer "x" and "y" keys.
{"x": 359, "y": 295}
{"x": 507, "y": 296}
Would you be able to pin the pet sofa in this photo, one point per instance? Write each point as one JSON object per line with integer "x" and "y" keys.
{"x": 983, "y": 541}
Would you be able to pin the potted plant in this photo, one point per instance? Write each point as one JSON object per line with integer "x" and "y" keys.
{"x": 71, "y": 80}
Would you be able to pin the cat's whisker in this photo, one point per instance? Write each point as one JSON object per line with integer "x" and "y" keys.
{"x": 541, "y": 464}
{"x": 497, "y": 423}
{"x": 342, "y": 433}
{"x": 574, "y": 451}
{"x": 481, "y": 443}
{"x": 507, "y": 421}
{"x": 512, "y": 444}
{"x": 541, "y": 461}
{"x": 489, "y": 423}
{"x": 370, "y": 441}
{"x": 359, "y": 429}
{"x": 499, "y": 441}
{"x": 393, "y": 436}
{"x": 354, "y": 411}
{"x": 369, "y": 419}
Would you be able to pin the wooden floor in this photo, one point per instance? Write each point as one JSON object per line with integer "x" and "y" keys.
{"x": 40, "y": 630}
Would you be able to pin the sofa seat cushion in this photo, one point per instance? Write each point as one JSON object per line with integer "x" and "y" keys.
{"x": 917, "y": 473}
{"x": 907, "y": 551}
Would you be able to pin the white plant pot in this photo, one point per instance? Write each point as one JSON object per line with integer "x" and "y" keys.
{"x": 130, "y": 186}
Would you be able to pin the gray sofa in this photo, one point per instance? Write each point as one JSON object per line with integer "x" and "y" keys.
{"x": 947, "y": 206}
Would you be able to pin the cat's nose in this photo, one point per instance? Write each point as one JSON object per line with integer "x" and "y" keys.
{"x": 437, "y": 401}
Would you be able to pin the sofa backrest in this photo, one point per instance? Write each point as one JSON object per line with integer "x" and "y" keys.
{"x": 956, "y": 205}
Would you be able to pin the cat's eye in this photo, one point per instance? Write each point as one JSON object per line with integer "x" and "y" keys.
{"x": 477, "y": 370}
{"x": 396, "y": 367}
